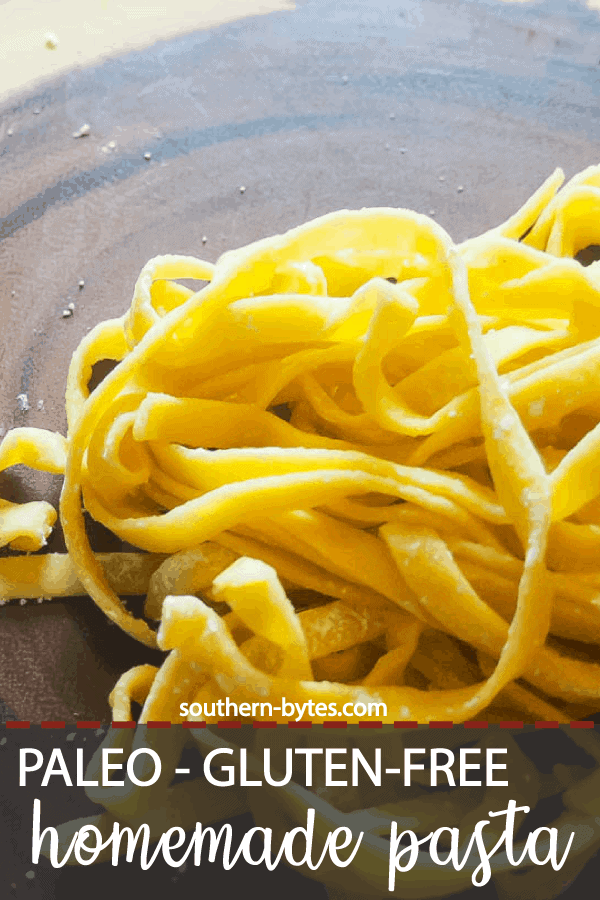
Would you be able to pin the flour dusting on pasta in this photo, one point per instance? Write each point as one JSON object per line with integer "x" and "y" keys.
{"x": 361, "y": 463}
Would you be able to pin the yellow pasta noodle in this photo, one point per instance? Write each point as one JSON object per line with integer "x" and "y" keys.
{"x": 358, "y": 447}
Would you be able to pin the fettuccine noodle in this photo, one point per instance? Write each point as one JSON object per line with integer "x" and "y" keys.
{"x": 361, "y": 462}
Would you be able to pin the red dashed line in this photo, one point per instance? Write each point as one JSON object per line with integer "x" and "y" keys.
{"x": 334, "y": 723}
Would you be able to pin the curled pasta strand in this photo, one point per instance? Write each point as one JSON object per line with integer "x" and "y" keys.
{"x": 146, "y": 306}
{"x": 27, "y": 526}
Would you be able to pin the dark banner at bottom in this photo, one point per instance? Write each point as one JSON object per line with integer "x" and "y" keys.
{"x": 305, "y": 811}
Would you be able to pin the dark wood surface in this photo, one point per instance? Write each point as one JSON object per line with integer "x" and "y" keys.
{"x": 337, "y": 104}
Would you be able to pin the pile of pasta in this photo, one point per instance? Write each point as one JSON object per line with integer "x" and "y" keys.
{"x": 361, "y": 462}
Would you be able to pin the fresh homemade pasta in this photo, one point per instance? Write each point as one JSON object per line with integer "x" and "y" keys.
{"x": 361, "y": 464}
